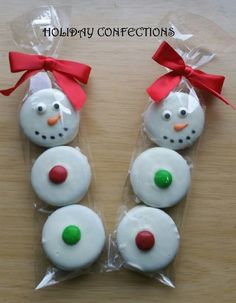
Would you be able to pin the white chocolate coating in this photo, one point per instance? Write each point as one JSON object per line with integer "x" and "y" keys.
{"x": 165, "y": 233}
{"x": 45, "y": 124}
{"x": 165, "y": 131}
{"x": 143, "y": 171}
{"x": 74, "y": 188}
{"x": 86, "y": 251}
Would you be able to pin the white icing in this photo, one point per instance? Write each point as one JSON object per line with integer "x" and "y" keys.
{"x": 165, "y": 233}
{"x": 75, "y": 186}
{"x": 161, "y": 131}
{"x": 35, "y": 124}
{"x": 86, "y": 251}
{"x": 143, "y": 171}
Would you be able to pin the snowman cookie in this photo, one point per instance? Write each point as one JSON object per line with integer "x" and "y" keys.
{"x": 176, "y": 122}
{"x": 160, "y": 177}
{"x": 73, "y": 237}
{"x": 48, "y": 119}
{"x": 61, "y": 176}
{"x": 147, "y": 239}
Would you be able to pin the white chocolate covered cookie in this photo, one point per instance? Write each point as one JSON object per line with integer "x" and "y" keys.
{"x": 61, "y": 176}
{"x": 176, "y": 122}
{"x": 147, "y": 239}
{"x": 160, "y": 177}
{"x": 73, "y": 237}
{"x": 48, "y": 119}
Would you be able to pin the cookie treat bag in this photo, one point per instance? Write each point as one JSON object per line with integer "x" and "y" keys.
{"x": 50, "y": 111}
{"x": 69, "y": 230}
{"x": 147, "y": 234}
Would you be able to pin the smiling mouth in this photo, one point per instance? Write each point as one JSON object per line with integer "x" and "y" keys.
{"x": 180, "y": 140}
{"x": 52, "y": 137}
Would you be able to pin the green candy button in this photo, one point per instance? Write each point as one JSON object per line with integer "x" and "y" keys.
{"x": 163, "y": 178}
{"x": 71, "y": 235}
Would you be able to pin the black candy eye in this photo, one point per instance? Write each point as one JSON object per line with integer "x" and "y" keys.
{"x": 41, "y": 108}
{"x": 166, "y": 115}
{"x": 183, "y": 112}
{"x": 56, "y": 105}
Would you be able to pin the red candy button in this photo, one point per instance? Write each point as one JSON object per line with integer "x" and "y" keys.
{"x": 58, "y": 174}
{"x": 145, "y": 240}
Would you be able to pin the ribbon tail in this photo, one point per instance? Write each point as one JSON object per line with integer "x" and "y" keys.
{"x": 77, "y": 70}
{"x": 71, "y": 88}
{"x": 199, "y": 84}
{"x": 161, "y": 88}
{"x": 23, "y": 78}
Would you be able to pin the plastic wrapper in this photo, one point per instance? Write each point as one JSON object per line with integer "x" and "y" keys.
{"x": 61, "y": 176}
{"x": 155, "y": 195}
{"x": 45, "y": 93}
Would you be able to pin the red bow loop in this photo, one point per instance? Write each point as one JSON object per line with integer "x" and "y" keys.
{"x": 168, "y": 57}
{"x": 20, "y": 62}
{"x": 67, "y": 74}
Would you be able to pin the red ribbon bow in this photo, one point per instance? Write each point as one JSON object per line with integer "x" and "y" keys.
{"x": 66, "y": 73}
{"x": 168, "y": 57}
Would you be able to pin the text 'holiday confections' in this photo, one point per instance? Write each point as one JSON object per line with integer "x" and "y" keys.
{"x": 119, "y": 32}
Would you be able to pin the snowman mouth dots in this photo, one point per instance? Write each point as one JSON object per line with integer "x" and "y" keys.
{"x": 176, "y": 122}
{"x": 45, "y": 137}
{"x": 48, "y": 119}
{"x": 179, "y": 127}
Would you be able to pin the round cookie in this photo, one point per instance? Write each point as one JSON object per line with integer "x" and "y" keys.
{"x": 176, "y": 122}
{"x": 61, "y": 176}
{"x": 73, "y": 237}
{"x": 48, "y": 119}
{"x": 160, "y": 177}
{"x": 147, "y": 239}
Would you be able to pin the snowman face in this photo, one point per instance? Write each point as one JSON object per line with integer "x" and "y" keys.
{"x": 48, "y": 119}
{"x": 176, "y": 122}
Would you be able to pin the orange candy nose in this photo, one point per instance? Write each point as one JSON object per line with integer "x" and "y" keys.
{"x": 53, "y": 120}
{"x": 179, "y": 127}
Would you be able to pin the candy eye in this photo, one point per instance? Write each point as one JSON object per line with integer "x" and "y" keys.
{"x": 183, "y": 112}
{"x": 56, "y": 105}
{"x": 166, "y": 115}
{"x": 41, "y": 108}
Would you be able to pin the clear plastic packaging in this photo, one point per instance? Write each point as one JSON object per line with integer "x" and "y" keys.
{"x": 46, "y": 273}
{"x": 60, "y": 176}
{"x": 49, "y": 114}
{"x": 174, "y": 123}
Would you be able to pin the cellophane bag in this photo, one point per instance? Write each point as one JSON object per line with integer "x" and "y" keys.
{"x": 49, "y": 122}
{"x": 175, "y": 123}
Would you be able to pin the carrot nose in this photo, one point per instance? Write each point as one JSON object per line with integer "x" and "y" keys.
{"x": 53, "y": 120}
{"x": 179, "y": 127}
